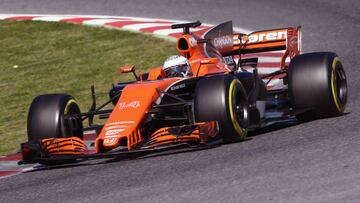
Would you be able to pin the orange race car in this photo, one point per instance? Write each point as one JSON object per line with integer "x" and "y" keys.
{"x": 210, "y": 93}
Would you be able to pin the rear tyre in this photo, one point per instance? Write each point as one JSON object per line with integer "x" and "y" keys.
{"x": 46, "y": 117}
{"x": 223, "y": 99}
{"x": 317, "y": 82}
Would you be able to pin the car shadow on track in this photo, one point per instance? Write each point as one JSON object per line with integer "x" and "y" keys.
{"x": 118, "y": 159}
{"x": 275, "y": 126}
{"x": 286, "y": 123}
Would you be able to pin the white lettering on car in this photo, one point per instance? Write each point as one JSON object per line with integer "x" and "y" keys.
{"x": 192, "y": 41}
{"x": 133, "y": 104}
{"x": 293, "y": 41}
{"x": 110, "y": 141}
{"x": 120, "y": 122}
{"x": 229, "y": 60}
{"x": 266, "y": 36}
{"x": 176, "y": 87}
{"x": 222, "y": 42}
{"x": 112, "y": 136}
{"x": 116, "y": 127}
{"x": 113, "y": 132}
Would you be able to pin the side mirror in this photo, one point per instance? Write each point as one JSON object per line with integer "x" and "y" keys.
{"x": 128, "y": 69}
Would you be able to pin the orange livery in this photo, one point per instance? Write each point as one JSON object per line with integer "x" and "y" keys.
{"x": 204, "y": 96}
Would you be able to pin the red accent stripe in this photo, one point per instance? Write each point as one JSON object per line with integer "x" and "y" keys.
{"x": 269, "y": 65}
{"x": 81, "y": 20}
{"x": 121, "y": 24}
{"x": 9, "y": 173}
{"x": 155, "y": 28}
{"x": 22, "y": 18}
{"x": 276, "y": 76}
{"x": 11, "y": 157}
{"x": 176, "y": 35}
{"x": 88, "y": 137}
{"x": 76, "y": 20}
{"x": 264, "y": 54}
{"x": 90, "y": 152}
{"x": 269, "y": 87}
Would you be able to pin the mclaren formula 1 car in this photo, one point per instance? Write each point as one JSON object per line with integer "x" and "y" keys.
{"x": 223, "y": 98}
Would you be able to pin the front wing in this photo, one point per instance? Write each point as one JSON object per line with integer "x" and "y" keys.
{"x": 53, "y": 151}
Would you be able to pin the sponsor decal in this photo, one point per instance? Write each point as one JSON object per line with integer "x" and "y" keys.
{"x": 176, "y": 87}
{"x": 192, "y": 41}
{"x": 229, "y": 60}
{"x": 224, "y": 41}
{"x": 116, "y": 127}
{"x": 112, "y": 136}
{"x": 266, "y": 37}
{"x": 133, "y": 104}
{"x": 237, "y": 40}
{"x": 113, "y": 132}
{"x": 120, "y": 122}
{"x": 293, "y": 42}
{"x": 110, "y": 141}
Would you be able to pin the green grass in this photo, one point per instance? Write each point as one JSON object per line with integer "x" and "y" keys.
{"x": 39, "y": 57}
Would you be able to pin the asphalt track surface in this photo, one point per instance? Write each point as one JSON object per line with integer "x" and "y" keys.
{"x": 317, "y": 161}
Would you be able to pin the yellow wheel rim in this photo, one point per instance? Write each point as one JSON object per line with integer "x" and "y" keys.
{"x": 334, "y": 90}
{"x": 232, "y": 94}
{"x": 68, "y": 104}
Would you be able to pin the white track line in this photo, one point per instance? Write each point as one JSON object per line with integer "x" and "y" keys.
{"x": 99, "y": 22}
{"x": 145, "y": 25}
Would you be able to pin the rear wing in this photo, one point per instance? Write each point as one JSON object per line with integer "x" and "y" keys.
{"x": 288, "y": 39}
{"x": 220, "y": 41}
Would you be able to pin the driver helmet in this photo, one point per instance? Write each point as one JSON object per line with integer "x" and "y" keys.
{"x": 177, "y": 66}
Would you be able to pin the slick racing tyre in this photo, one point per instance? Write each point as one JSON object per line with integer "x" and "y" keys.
{"x": 317, "y": 83}
{"x": 46, "y": 117}
{"x": 222, "y": 98}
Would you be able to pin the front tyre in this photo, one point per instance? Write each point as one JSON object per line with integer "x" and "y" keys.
{"x": 317, "y": 82}
{"x": 222, "y": 98}
{"x": 47, "y": 117}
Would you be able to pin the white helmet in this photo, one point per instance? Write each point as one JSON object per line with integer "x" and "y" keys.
{"x": 177, "y": 66}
